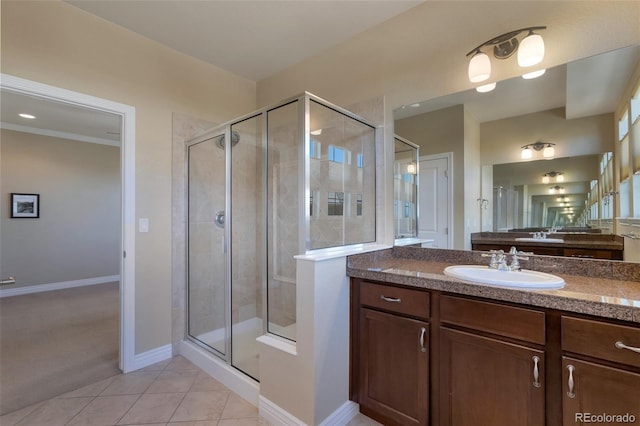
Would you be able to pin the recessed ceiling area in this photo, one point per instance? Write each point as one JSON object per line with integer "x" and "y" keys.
{"x": 58, "y": 119}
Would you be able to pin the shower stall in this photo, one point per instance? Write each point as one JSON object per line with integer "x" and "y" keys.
{"x": 283, "y": 181}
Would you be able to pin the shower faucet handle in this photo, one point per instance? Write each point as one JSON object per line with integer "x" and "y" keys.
{"x": 219, "y": 219}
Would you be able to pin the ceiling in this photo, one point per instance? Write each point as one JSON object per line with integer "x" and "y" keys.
{"x": 254, "y": 39}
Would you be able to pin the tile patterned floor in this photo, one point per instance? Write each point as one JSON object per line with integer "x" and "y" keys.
{"x": 174, "y": 392}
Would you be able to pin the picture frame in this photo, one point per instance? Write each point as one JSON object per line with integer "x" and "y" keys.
{"x": 25, "y": 206}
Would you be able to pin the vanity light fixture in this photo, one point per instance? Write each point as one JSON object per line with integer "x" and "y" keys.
{"x": 556, "y": 190}
{"x": 547, "y": 148}
{"x": 411, "y": 168}
{"x": 530, "y": 52}
{"x": 558, "y": 176}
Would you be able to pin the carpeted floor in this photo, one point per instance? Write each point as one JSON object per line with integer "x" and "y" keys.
{"x": 57, "y": 341}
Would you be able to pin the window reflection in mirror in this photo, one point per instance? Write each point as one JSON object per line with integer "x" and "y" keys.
{"x": 405, "y": 189}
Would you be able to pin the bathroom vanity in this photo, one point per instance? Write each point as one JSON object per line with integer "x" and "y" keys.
{"x": 581, "y": 244}
{"x": 430, "y": 349}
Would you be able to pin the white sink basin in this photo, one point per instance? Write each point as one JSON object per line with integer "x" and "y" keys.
{"x": 540, "y": 240}
{"x": 521, "y": 279}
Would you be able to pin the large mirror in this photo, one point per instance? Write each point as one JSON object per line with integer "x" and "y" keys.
{"x": 570, "y": 107}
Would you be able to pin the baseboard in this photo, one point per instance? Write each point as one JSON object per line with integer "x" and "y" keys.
{"x": 343, "y": 415}
{"x": 153, "y": 356}
{"x": 18, "y": 291}
{"x": 239, "y": 383}
{"x": 274, "y": 414}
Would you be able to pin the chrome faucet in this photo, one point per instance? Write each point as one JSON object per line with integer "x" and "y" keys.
{"x": 498, "y": 260}
{"x": 516, "y": 257}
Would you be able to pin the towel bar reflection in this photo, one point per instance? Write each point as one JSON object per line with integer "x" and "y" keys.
{"x": 8, "y": 281}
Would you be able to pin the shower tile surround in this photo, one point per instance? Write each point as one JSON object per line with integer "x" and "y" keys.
{"x": 609, "y": 289}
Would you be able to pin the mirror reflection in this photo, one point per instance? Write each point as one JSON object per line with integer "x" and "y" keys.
{"x": 569, "y": 109}
{"x": 405, "y": 189}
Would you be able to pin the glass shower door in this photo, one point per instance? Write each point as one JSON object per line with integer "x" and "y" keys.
{"x": 247, "y": 243}
{"x": 207, "y": 265}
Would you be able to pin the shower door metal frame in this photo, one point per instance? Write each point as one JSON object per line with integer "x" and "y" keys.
{"x": 220, "y": 131}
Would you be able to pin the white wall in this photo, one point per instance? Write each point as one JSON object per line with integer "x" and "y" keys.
{"x": 78, "y": 233}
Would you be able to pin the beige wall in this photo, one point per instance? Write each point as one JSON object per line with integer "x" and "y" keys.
{"x": 57, "y": 44}
{"x": 78, "y": 233}
{"x": 455, "y": 130}
{"x": 369, "y": 65}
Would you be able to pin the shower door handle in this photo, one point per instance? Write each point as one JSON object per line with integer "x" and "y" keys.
{"x": 8, "y": 281}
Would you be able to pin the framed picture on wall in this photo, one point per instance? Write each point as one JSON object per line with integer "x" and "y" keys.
{"x": 26, "y": 206}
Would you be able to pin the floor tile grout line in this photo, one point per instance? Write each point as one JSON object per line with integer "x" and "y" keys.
{"x": 177, "y": 406}
{"x": 143, "y": 393}
{"x": 81, "y": 410}
{"x": 128, "y": 409}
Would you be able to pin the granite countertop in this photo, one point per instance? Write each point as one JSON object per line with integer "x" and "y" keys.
{"x": 602, "y": 288}
{"x": 584, "y": 241}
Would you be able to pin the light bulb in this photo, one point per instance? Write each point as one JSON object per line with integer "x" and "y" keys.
{"x": 531, "y": 50}
{"x": 534, "y": 74}
{"x": 545, "y": 179}
{"x": 549, "y": 152}
{"x": 411, "y": 168}
{"x": 486, "y": 88}
{"x": 560, "y": 178}
{"x": 552, "y": 191}
{"x": 527, "y": 153}
{"x": 479, "y": 67}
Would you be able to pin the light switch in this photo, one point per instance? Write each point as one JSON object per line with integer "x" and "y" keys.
{"x": 143, "y": 224}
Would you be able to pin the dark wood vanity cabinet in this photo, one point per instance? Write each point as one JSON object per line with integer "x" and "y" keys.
{"x": 599, "y": 378}
{"x": 553, "y": 250}
{"x": 393, "y": 354}
{"x": 492, "y": 364}
{"x": 487, "y": 381}
{"x": 424, "y": 357}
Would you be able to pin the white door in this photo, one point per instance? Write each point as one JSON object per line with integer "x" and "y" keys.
{"x": 433, "y": 200}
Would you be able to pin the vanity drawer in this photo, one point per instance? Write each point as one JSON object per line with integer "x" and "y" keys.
{"x": 395, "y": 299}
{"x": 508, "y": 321}
{"x": 598, "y": 339}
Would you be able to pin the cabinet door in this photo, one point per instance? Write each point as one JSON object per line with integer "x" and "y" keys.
{"x": 591, "y": 390}
{"x": 394, "y": 367}
{"x": 485, "y": 381}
